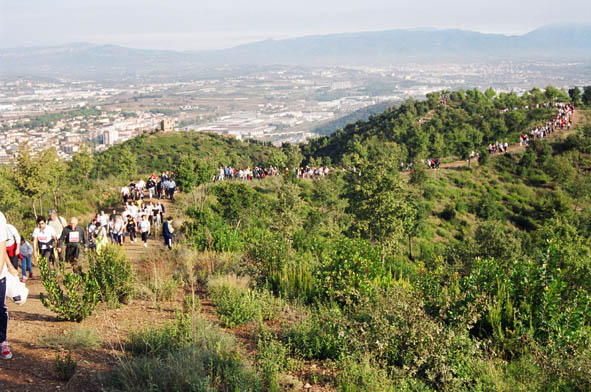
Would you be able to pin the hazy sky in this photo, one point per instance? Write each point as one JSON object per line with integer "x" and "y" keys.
{"x": 216, "y": 24}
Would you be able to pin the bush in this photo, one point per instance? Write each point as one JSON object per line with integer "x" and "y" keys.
{"x": 76, "y": 339}
{"x": 191, "y": 304}
{"x": 113, "y": 273}
{"x": 271, "y": 361}
{"x": 360, "y": 375}
{"x": 159, "y": 341}
{"x": 321, "y": 335}
{"x": 396, "y": 330}
{"x": 65, "y": 367}
{"x": 80, "y": 297}
{"x": 187, "y": 354}
{"x": 351, "y": 270}
{"x": 160, "y": 284}
{"x": 190, "y": 368}
{"x": 237, "y": 304}
{"x": 448, "y": 213}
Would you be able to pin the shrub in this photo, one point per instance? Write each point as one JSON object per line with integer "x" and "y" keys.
{"x": 237, "y": 304}
{"x": 271, "y": 361}
{"x": 65, "y": 367}
{"x": 351, "y": 270}
{"x": 113, "y": 273}
{"x": 358, "y": 375}
{"x": 396, "y": 330}
{"x": 159, "y": 284}
{"x": 531, "y": 300}
{"x": 191, "y": 303}
{"x": 321, "y": 335}
{"x": 77, "y": 299}
{"x": 448, "y": 213}
{"x": 76, "y": 339}
{"x": 164, "y": 289}
{"x": 187, "y": 354}
{"x": 160, "y": 341}
{"x": 190, "y": 368}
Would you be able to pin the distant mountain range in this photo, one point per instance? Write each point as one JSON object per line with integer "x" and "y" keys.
{"x": 555, "y": 42}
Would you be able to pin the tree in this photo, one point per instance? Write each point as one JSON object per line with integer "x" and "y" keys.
{"x": 28, "y": 177}
{"x": 293, "y": 154}
{"x": 277, "y": 158}
{"x": 575, "y": 95}
{"x": 378, "y": 198}
{"x": 54, "y": 170}
{"x": 289, "y": 208}
{"x": 185, "y": 174}
{"x": 127, "y": 162}
{"x": 81, "y": 165}
{"x": 551, "y": 93}
{"x": 418, "y": 176}
{"x": 586, "y": 96}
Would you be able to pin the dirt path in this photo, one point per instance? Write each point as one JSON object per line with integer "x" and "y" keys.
{"x": 516, "y": 148}
{"x": 32, "y": 366}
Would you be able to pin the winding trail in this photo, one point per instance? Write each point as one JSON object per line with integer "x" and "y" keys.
{"x": 32, "y": 366}
{"x": 516, "y": 148}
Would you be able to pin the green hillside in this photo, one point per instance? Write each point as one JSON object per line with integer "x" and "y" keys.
{"x": 473, "y": 278}
{"x": 445, "y": 124}
{"x": 164, "y": 152}
{"x": 466, "y": 278}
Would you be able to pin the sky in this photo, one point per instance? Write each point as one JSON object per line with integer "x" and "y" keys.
{"x": 219, "y": 24}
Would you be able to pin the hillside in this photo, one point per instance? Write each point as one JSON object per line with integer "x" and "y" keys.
{"x": 470, "y": 277}
{"x": 166, "y": 151}
{"x": 445, "y": 124}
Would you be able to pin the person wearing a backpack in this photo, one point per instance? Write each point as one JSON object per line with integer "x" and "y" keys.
{"x": 58, "y": 223}
{"x": 5, "y": 269}
{"x": 167, "y": 231}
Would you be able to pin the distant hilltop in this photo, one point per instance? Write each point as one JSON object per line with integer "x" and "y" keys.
{"x": 562, "y": 42}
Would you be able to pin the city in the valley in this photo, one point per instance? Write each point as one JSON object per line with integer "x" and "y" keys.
{"x": 277, "y": 104}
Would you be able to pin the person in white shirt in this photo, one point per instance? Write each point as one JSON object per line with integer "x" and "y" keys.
{"x": 118, "y": 230}
{"x": 103, "y": 219}
{"x": 125, "y": 193}
{"x": 44, "y": 241}
{"x": 5, "y": 268}
{"x": 140, "y": 184}
{"x": 13, "y": 243}
{"x": 144, "y": 226}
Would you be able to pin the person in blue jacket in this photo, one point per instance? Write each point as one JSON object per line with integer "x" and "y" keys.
{"x": 167, "y": 231}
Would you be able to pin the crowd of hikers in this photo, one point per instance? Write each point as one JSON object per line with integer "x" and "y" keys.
{"x": 142, "y": 215}
{"x": 562, "y": 121}
{"x": 230, "y": 173}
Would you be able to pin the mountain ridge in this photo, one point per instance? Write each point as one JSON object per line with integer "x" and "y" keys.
{"x": 561, "y": 41}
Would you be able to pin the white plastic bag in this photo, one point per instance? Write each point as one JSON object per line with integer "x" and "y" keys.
{"x": 16, "y": 290}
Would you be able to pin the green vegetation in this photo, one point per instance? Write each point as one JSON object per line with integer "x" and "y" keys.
{"x": 237, "y": 304}
{"x": 468, "y": 279}
{"x": 65, "y": 367}
{"x": 185, "y": 354}
{"x": 76, "y": 339}
{"x": 445, "y": 124}
{"x": 181, "y": 153}
{"x": 47, "y": 120}
{"x": 461, "y": 279}
{"x": 74, "y": 295}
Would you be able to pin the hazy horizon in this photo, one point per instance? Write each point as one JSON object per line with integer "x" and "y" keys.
{"x": 184, "y": 25}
